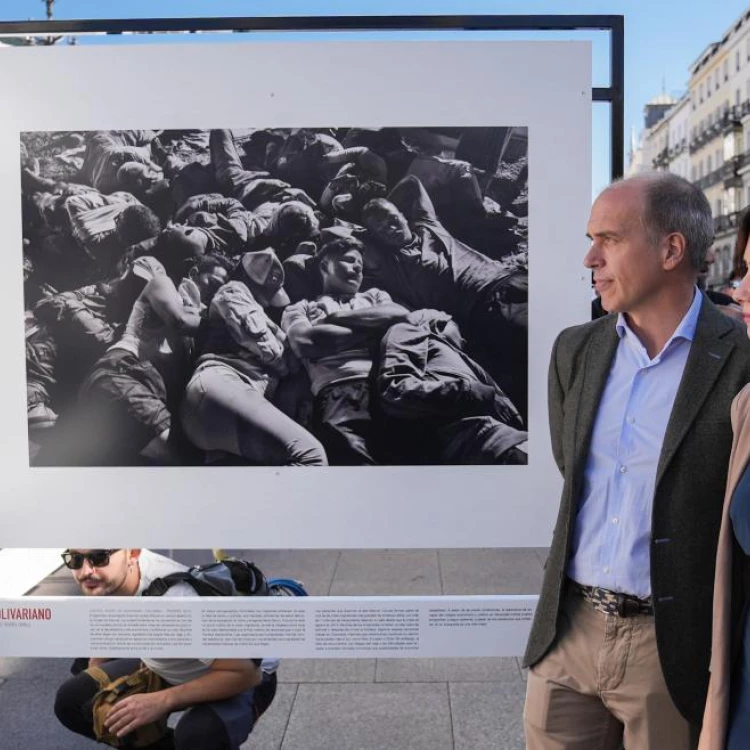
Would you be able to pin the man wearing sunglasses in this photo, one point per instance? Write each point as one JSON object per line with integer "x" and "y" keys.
{"x": 221, "y": 698}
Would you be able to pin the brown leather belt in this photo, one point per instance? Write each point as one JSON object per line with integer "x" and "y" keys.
{"x": 614, "y": 602}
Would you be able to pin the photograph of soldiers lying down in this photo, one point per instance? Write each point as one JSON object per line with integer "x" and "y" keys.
{"x": 300, "y": 297}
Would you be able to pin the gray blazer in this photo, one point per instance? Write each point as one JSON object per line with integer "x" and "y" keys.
{"x": 690, "y": 483}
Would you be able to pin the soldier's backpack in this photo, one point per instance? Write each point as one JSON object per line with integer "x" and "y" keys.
{"x": 229, "y": 577}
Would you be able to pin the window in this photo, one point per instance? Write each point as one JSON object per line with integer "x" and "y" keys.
{"x": 700, "y": 93}
{"x": 716, "y": 79}
{"x": 726, "y": 70}
{"x": 736, "y": 62}
{"x": 717, "y": 207}
{"x": 748, "y": 49}
{"x": 709, "y": 168}
{"x": 737, "y": 98}
{"x": 692, "y": 173}
{"x": 719, "y": 158}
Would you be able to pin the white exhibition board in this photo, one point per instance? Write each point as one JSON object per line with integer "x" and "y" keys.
{"x": 544, "y": 86}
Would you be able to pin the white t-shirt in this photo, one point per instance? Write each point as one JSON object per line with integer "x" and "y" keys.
{"x": 177, "y": 671}
{"x": 173, "y": 671}
{"x": 354, "y": 364}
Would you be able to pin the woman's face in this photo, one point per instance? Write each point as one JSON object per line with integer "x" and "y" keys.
{"x": 742, "y": 292}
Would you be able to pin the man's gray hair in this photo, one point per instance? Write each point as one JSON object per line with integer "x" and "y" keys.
{"x": 675, "y": 205}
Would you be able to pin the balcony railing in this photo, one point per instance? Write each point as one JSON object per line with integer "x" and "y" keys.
{"x": 730, "y": 171}
{"x": 661, "y": 159}
{"x": 729, "y": 121}
{"x": 701, "y": 139}
{"x": 711, "y": 179}
{"x": 726, "y": 222}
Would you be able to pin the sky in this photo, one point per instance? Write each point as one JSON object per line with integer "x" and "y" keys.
{"x": 662, "y": 37}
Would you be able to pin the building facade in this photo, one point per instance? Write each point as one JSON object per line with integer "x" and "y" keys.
{"x": 705, "y": 137}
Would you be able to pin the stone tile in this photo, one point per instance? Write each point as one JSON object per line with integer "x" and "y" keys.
{"x": 268, "y": 733}
{"x": 27, "y": 695}
{"x": 490, "y": 571}
{"x": 315, "y": 568}
{"x": 43, "y": 670}
{"x": 55, "y": 587}
{"x": 327, "y": 670}
{"x": 62, "y": 573}
{"x": 370, "y": 717}
{"x": 448, "y": 670}
{"x": 387, "y": 572}
{"x": 487, "y": 716}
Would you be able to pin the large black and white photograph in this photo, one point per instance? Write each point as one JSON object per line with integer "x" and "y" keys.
{"x": 276, "y": 296}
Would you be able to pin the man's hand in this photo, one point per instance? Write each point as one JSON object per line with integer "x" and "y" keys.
{"x": 136, "y": 711}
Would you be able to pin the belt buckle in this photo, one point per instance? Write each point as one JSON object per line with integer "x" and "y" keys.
{"x": 626, "y": 606}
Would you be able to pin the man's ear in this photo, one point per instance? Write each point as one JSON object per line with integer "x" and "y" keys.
{"x": 133, "y": 555}
{"x": 675, "y": 248}
{"x": 193, "y": 273}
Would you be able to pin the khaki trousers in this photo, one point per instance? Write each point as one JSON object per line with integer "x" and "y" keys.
{"x": 600, "y": 686}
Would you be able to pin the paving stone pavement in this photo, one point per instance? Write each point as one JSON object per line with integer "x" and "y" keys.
{"x": 341, "y": 704}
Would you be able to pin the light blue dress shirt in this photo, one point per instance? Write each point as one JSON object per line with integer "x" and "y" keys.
{"x": 611, "y": 540}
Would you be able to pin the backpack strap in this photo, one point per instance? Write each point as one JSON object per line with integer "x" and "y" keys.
{"x": 99, "y": 676}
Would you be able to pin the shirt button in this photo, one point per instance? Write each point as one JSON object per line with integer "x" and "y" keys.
{"x": 623, "y": 470}
{"x": 606, "y": 569}
{"x": 615, "y": 520}
{"x": 631, "y": 420}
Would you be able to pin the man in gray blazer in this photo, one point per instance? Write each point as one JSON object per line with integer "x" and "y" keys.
{"x": 639, "y": 415}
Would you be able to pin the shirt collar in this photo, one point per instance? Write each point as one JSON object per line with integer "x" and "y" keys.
{"x": 685, "y": 330}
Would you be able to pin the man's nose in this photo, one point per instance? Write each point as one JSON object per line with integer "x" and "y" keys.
{"x": 592, "y": 258}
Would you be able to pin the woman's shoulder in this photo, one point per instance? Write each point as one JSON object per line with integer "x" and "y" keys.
{"x": 741, "y": 411}
{"x": 742, "y": 399}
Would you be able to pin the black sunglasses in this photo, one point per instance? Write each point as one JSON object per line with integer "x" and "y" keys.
{"x": 97, "y": 558}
